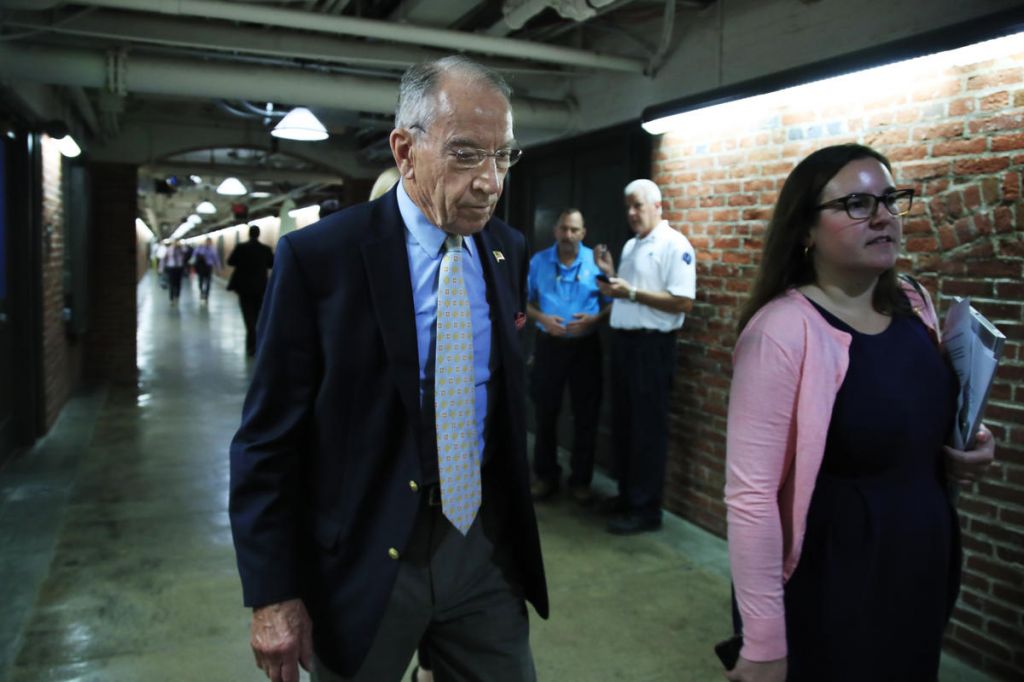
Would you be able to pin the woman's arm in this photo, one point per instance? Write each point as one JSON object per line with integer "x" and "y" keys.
{"x": 760, "y": 447}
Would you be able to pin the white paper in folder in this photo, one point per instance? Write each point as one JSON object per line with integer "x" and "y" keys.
{"x": 974, "y": 346}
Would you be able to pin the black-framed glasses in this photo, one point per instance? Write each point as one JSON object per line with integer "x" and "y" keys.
{"x": 466, "y": 158}
{"x": 860, "y": 206}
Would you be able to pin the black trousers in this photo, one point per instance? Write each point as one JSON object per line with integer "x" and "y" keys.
{"x": 643, "y": 364}
{"x": 204, "y": 277}
{"x": 250, "y": 305}
{"x": 174, "y": 281}
{"x": 557, "y": 362}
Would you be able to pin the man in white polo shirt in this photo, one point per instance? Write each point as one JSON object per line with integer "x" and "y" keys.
{"x": 653, "y": 291}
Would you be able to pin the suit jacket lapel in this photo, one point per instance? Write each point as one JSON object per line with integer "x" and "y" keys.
{"x": 504, "y": 309}
{"x": 387, "y": 268}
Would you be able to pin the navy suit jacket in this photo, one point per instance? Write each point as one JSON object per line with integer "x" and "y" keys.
{"x": 329, "y": 442}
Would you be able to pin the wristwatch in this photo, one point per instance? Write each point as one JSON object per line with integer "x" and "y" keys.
{"x": 632, "y": 294}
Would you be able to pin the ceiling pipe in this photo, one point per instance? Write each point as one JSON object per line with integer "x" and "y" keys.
{"x": 249, "y": 172}
{"x": 212, "y": 80}
{"x": 371, "y": 28}
{"x": 216, "y": 37}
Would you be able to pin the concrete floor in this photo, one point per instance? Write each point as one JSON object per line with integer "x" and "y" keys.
{"x": 117, "y": 564}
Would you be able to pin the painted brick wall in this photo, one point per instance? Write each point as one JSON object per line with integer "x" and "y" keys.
{"x": 111, "y": 339}
{"x": 957, "y": 136}
{"x": 61, "y": 359}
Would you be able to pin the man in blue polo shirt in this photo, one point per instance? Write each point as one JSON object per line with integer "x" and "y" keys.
{"x": 565, "y": 303}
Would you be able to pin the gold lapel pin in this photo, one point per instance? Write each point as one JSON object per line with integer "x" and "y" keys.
{"x": 498, "y": 256}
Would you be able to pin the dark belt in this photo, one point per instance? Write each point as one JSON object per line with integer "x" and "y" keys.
{"x": 642, "y": 332}
{"x": 565, "y": 339}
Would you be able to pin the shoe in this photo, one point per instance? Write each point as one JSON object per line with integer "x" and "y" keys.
{"x": 631, "y": 523}
{"x": 612, "y": 505}
{"x": 544, "y": 489}
{"x": 581, "y": 495}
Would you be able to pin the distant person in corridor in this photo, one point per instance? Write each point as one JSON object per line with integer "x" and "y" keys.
{"x": 205, "y": 260}
{"x": 843, "y": 541}
{"x": 250, "y": 261}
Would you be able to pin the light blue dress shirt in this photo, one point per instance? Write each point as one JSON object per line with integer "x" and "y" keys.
{"x": 424, "y": 243}
{"x": 565, "y": 290}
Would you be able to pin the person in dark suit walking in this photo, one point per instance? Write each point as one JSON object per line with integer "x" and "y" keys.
{"x": 380, "y": 490}
{"x": 250, "y": 261}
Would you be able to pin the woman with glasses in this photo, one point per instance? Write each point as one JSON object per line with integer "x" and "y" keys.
{"x": 843, "y": 540}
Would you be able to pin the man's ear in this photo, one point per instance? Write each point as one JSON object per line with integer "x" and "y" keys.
{"x": 402, "y": 149}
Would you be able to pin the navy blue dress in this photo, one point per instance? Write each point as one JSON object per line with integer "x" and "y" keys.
{"x": 879, "y": 570}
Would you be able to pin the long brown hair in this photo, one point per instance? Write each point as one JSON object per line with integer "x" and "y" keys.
{"x": 784, "y": 263}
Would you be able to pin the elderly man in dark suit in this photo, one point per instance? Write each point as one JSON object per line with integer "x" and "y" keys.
{"x": 379, "y": 480}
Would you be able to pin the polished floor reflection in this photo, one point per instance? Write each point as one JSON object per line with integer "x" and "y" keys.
{"x": 117, "y": 564}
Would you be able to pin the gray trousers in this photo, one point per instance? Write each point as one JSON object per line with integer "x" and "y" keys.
{"x": 460, "y": 596}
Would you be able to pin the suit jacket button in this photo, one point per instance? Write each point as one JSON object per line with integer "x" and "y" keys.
{"x": 413, "y": 486}
{"x": 393, "y": 553}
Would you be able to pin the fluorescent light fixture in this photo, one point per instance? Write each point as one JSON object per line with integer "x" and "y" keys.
{"x": 259, "y": 195}
{"x": 196, "y": 180}
{"x": 300, "y": 124}
{"x": 195, "y": 219}
{"x": 182, "y": 229}
{"x": 310, "y": 213}
{"x": 232, "y": 187}
{"x": 68, "y": 147}
{"x": 206, "y": 207}
{"x": 140, "y": 224}
{"x": 749, "y": 102}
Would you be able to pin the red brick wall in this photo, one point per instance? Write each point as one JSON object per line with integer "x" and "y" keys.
{"x": 957, "y": 136}
{"x": 110, "y": 348}
{"x": 61, "y": 359}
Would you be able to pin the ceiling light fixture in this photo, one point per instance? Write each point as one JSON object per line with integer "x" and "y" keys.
{"x": 300, "y": 124}
{"x": 895, "y": 64}
{"x": 259, "y": 194}
{"x": 206, "y": 207}
{"x": 232, "y": 187}
{"x": 68, "y": 147}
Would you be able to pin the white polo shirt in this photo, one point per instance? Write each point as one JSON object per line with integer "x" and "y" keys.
{"x": 664, "y": 260}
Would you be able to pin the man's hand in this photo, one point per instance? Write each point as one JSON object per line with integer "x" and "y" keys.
{"x": 553, "y": 324}
{"x": 581, "y": 324}
{"x": 966, "y": 467}
{"x": 603, "y": 259}
{"x": 282, "y": 637}
{"x": 751, "y": 671}
{"x": 615, "y": 287}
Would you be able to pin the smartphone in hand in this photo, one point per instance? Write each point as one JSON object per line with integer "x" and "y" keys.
{"x": 603, "y": 278}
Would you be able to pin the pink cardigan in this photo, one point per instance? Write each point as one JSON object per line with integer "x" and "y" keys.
{"x": 788, "y": 365}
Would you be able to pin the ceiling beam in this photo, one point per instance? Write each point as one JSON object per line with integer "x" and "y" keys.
{"x": 389, "y": 31}
{"x": 234, "y": 39}
{"x": 221, "y": 80}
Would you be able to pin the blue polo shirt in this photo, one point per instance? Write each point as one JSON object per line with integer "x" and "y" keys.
{"x": 565, "y": 290}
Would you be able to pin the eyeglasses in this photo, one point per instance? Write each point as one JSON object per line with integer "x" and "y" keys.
{"x": 470, "y": 158}
{"x": 863, "y": 206}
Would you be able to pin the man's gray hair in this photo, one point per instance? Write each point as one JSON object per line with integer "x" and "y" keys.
{"x": 416, "y": 104}
{"x": 646, "y": 189}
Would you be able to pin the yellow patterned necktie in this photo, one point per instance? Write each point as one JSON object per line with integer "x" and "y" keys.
{"x": 455, "y": 393}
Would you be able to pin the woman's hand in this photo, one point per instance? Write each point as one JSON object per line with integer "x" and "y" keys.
{"x": 966, "y": 467}
{"x": 763, "y": 671}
